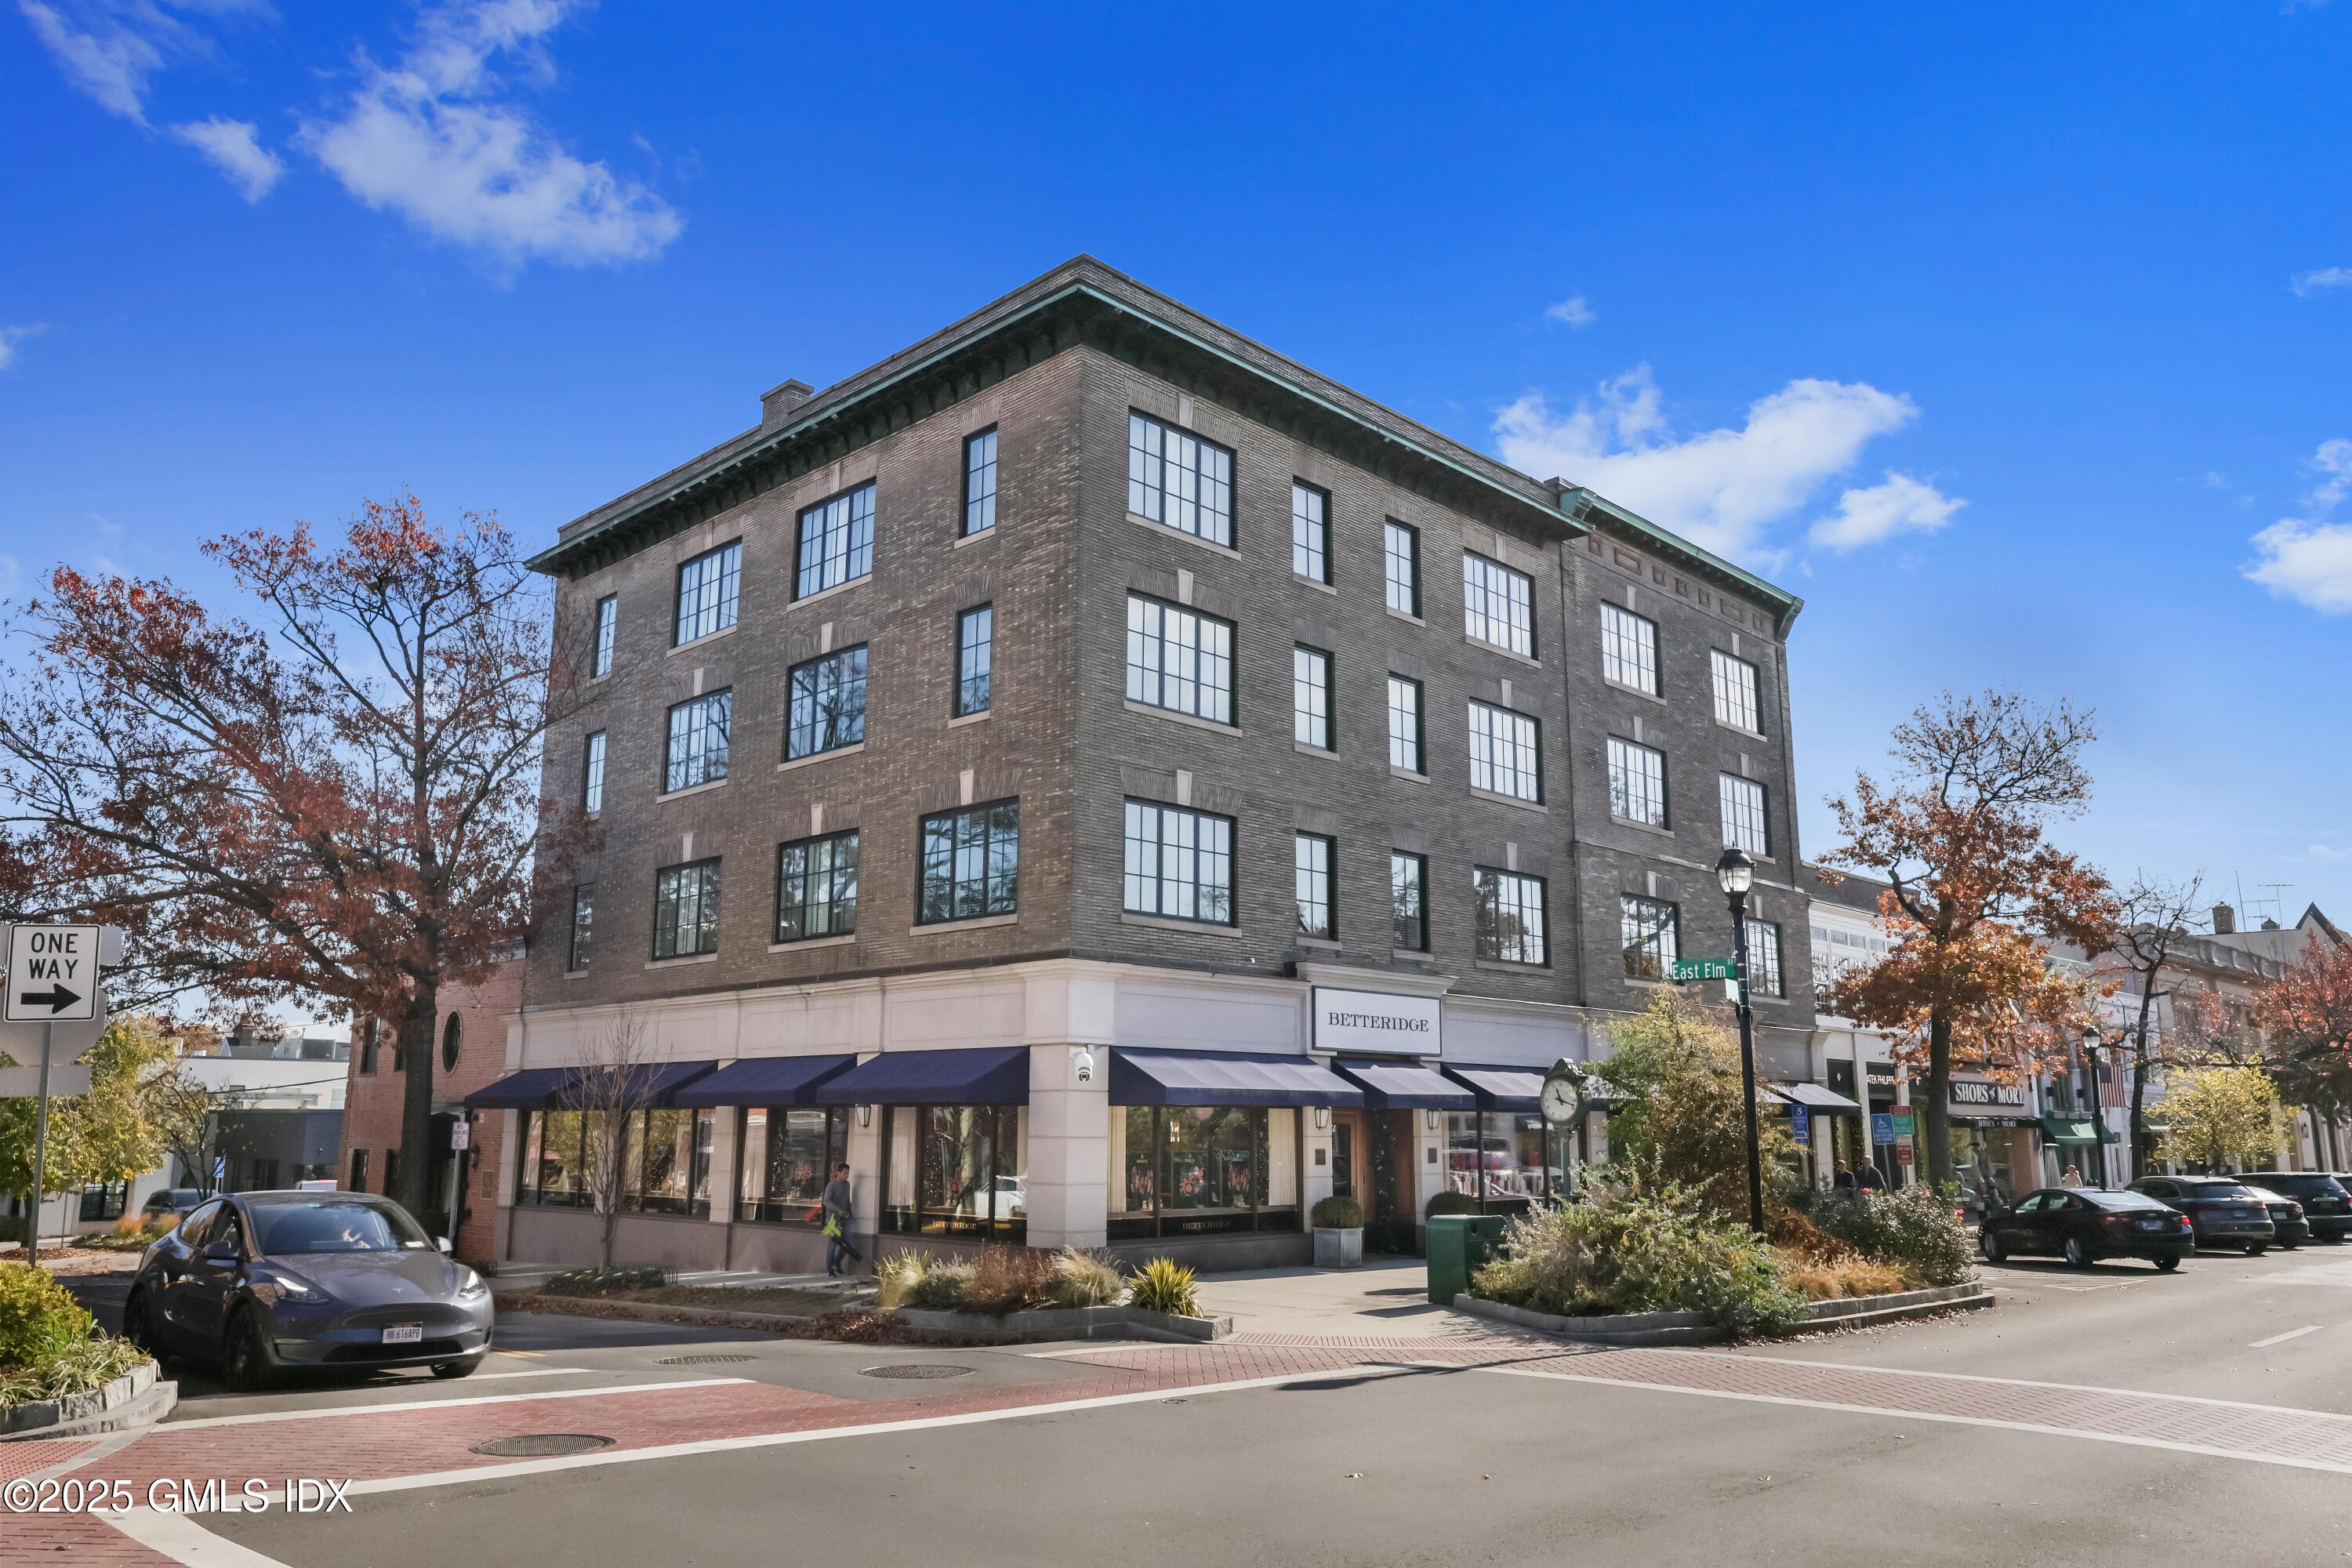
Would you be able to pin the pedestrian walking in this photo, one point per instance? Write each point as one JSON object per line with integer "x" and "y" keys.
{"x": 1873, "y": 1179}
{"x": 1843, "y": 1181}
{"x": 837, "y": 1222}
{"x": 2072, "y": 1178}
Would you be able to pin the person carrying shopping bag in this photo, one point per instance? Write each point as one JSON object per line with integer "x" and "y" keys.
{"x": 837, "y": 1222}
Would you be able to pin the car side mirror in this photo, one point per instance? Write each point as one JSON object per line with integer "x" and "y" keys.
{"x": 221, "y": 1251}
{"x": 443, "y": 1241}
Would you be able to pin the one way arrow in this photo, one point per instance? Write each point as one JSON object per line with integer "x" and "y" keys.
{"x": 56, "y": 998}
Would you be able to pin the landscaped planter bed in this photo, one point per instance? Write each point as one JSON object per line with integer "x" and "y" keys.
{"x": 134, "y": 1399}
{"x": 1072, "y": 1323}
{"x": 1693, "y": 1327}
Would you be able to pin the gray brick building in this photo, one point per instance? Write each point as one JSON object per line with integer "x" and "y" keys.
{"x": 1309, "y": 781}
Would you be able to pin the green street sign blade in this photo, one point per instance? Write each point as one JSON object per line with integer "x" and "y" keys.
{"x": 1701, "y": 969}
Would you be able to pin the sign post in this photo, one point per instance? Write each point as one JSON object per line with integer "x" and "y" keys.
{"x": 1687, "y": 969}
{"x": 52, "y": 976}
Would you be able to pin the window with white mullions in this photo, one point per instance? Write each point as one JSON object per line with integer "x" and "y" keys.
{"x": 1508, "y": 917}
{"x": 1310, "y": 697}
{"x": 1735, "y": 690}
{"x": 1629, "y": 649}
{"x": 1406, "y": 748}
{"x": 816, "y": 888}
{"x": 1180, "y": 864}
{"x": 1175, "y": 478}
{"x": 1409, "y": 900}
{"x": 836, "y": 543}
{"x": 1503, "y": 752}
{"x": 970, "y": 864}
{"x": 1311, "y": 868}
{"x": 698, "y": 740}
{"x": 1179, "y": 660}
{"x": 1764, "y": 958}
{"x": 1401, "y": 559}
{"x": 1647, "y": 931}
{"x": 686, "y": 909}
{"x": 1637, "y": 782}
{"x": 592, "y": 775}
{"x": 1310, "y": 532}
{"x": 1743, "y": 816}
{"x": 707, "y": 590}
{"x": 1497, "y": 605}
{"x": 583, "y": 929}
{"x": 980, "y": 482}
{"x": 975, "y": 658}
{"x": 608, "y": 621}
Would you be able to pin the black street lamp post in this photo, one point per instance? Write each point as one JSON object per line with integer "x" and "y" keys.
{"x": 1736, "y": 872}
{"x": 2090, "y": 1042}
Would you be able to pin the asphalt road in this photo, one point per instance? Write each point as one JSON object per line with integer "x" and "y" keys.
{"x": 1400, "y": 1464}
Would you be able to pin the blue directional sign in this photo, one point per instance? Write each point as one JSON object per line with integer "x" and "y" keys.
{"x": 1881, "y": 1128}
{"x": 1801, "y": 1124}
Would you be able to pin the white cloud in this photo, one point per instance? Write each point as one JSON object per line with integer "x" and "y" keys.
{"x": 2308, "y": 559}
{"x": 434, "y": 139}
{"x": 11, "y": 336}
{"x": 231, "y": 146}
{"x": 109, "y": 48}
{"x": 1901, "y": 505}
{"x": 2309, "y": 283}
{"x": 1576, "y": 310}
{"x": 1724, "y": 489}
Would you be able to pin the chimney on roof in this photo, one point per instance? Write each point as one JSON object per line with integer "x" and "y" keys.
{"x": 2269, "y": 924}
{"x": 777, "y": 403}
{"x": 2225, "y": 920}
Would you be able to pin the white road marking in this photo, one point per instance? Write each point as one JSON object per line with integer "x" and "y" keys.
{"x": 180, "y": 1538}
{"x": 2282, "y": 1339}
{"x": 406, "y": 1405}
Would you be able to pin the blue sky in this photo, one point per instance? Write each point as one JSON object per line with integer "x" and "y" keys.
{"x": 2013, "y": 339}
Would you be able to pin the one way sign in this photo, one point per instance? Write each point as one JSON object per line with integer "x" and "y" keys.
{"x": 52, "y": 974}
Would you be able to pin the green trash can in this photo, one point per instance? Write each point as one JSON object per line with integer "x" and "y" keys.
{"x": 1458, "y": 1247}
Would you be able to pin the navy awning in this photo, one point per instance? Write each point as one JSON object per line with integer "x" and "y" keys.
{"x": 543, "y": 1088}
{"x": 1406, "y": 1086}
{"x": 1500, "y": 1088}
{"x": 1224, "y": 1077}
{"x": 766, "y": 1080}
{"x": 995, "y": 1075}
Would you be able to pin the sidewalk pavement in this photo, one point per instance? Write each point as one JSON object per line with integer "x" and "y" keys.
{"x": 1387, "y": 1298}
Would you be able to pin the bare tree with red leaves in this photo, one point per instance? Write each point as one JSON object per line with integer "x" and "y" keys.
{"x": 1974, "y": 891}
{"x": 341, "y": 805}
{"x": 2153, "y": 920}
{"x": 2306, "y": 1016}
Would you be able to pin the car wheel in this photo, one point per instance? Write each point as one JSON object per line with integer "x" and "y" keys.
{"x": 2256, "y": 1248}
{"x": 2167, "y": 1265}
{"x": 138, "y": 1325}
{"x": 1993, "y": 1250}
{"x": 466, "y": 1368}
{"x": 244, "y": 1362}
{"x": 2289, "y": 1246}
{"x": 2077, "y": 1255}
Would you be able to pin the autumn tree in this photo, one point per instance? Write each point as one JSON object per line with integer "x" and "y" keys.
{"x": 123, "y": 1127}
{"x": 2305, "y": 1018}
{"x": 2223, "y": 1116}
{"x": 340, "y": 805}
{"x": 1974, "y": 890}
{"x": 2153, "y": 918}
{"x": 1678, "y": 1063}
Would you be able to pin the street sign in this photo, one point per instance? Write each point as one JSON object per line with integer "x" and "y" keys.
{"x": 1903, "y": 1124}
{"x": 1903, "y": 1150}
{"x": 1801, "y": 1124}
{"x": 1701, "y": 969}
{"x": 461, "y": 1134}
{"x": 52, "y": 974}
{"x": 1882, "y": 1128}
{"x": 66, "y": 1080}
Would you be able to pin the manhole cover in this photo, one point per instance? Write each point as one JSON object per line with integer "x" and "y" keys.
{"x": 541, "y": 1445}
{"x": 917, "y": 1369}
{"x": 701, "y": 1360}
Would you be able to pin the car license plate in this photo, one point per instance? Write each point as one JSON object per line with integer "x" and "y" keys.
{"x": 2151, "y": 1224}
{"x": 405, "y": 1334}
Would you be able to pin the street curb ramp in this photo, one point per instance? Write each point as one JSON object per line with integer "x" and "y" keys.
{"x": 136, "y": 1399}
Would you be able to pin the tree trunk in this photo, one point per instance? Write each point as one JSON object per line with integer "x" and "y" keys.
{"x": 612, "y": 1218}
{"x": 2138, "y": 1102}
{"x": 416, "y": 1103}
{"x": 1938, "y": 1108}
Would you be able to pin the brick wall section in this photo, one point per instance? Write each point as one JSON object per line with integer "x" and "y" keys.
{"x": 372, "y": 1106}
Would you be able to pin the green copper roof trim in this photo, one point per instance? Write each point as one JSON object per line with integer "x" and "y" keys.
{"x": 1787, "y": 604}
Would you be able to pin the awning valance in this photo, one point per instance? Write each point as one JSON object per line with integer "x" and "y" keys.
{"x": 1813, "y": 1097}
{"x": 1499, "y": 1089}
{"x": 1406, "y": 1086}
{"x": 546, "y": 1088}
{"x": 994, "y": 1075}
{"x": 1219, "y": 1078}
{"x": 766, "y": 1080}
{"x": 2077, "y": 1130}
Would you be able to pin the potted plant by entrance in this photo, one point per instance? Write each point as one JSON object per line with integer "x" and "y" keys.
{"x": 1338, "y": 1233}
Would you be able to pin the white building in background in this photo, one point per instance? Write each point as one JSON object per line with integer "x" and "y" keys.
{"x": 1851, "y": 1065}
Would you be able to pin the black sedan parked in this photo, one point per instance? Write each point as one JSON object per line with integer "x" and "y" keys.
{"x": 2083, "y": 1225}
{"x": 2287, "y": 1214}
{"x": 262, "y": 1282}
{"x": 2224, "y": 1210}
{"x": 2327, "y": 1206}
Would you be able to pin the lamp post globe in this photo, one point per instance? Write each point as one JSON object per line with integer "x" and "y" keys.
{"x": 1736, "y": 873}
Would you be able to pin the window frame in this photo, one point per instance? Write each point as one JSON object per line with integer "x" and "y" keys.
{"x": 1305, "y": 849}
{"x": 853, "y": 548}
{"x": 834, "y": 722}
{"x": 1764, "y": 943}
{"x": 726, "y": 608}
{"x": 1158, "y": 673}
{"x": 593, "y": 750}
{"x": 1317, "y": 545}
{"x": 1721, "y": 663}
{"x": 1159, "y": 1219}
{"x": 832, "y": 904}
{"x": 604, "y": 635}
{"x": 1158, "y": 879}
{"x": 1621, "y": 745}
{"x": 1664, "y": 940}
{"x": 1392, "y": 531}
{"x": 1420, "y": 722}
{"x": 1728, "y": 786}
{"x": 707, "y": 870}
{"x": 1152, "y": 490}
{"x": 672, "y": 763}
{"x": 972, "y": 498}
{"x": 1533, "y": 746}
{"x": 1478, "y": 597}
{"x": 1486, "y": 916}
{"x": 1398, "y": 860}
{"x": 580, "y": 950}
{"x": 962, "y": 705}
{"x": 955, "y": 849}
{"x": 1611, "y": 613}
{"x": 1303, "y": 681}
{"x": 769, "y": 1207}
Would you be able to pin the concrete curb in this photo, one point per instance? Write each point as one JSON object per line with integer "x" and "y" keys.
{"x": 1055, "y": 1323}
{"x": 135, "y": 1399}
{"x": 1640, "y": 1329}
{"x": 654, "y": 1313}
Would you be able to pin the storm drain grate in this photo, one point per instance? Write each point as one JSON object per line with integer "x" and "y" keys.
{"x": 917, "y": 1369}
{"x": 541, "y": 1445}
{"x": 701, "y": 1360}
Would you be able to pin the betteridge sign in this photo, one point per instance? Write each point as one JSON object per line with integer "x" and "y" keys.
{"x": 1373, "y": 1021}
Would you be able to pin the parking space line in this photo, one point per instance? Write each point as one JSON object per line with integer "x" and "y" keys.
{"x": 407, "y": 1404}
{"x": 2282, "y": 1339}
{"x": 180, "y": 1538}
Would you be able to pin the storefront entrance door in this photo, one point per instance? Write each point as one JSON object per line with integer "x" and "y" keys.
{"x": 1346, "y": 1148}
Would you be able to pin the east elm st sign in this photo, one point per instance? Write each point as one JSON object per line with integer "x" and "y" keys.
{"x": 1373, "y": 1021}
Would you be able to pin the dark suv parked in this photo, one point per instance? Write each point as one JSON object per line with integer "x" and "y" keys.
{"x": 2224, "y": 1210}
{"x": 2084, "y": 1225}
{"x": 2326, "y": 1204}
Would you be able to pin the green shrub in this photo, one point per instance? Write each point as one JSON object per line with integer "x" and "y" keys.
{"x": 895, "y": 1276}
{"x": 604, "y": 1281}
{"x": 85, "y": 1366}
{"x": 39, "y": 1320}
{"x": 1622, "y": 1251}
{"x": 1163, "y": 1285}
{"x": 1452, "y": 1203}
{"x": 1082, "y": 1280}
{"x": 941, "y": 1285}
{"x": 1338, "y": 1211}
{"x": 1911, "y": 1227}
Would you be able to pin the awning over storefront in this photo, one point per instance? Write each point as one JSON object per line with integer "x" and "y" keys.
{"x": 1219, "y": 1078}
{"x": 1813, "y": 1097}
{"x": 543, "y": 1088}
{"x": 766, "y": 1080}
{"x": 997, "y": 1074}
{"x": 2077, "y": 1130}
{"x": 1500, "y": 1088}
{"x": 2156, "y": 1126}
{"x": 1406, "y": 1086}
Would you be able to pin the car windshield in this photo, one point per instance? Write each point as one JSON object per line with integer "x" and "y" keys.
{"x": 334, "y": 1225}
{"x": 2225, "y": 1190}
{"x": 2314, "y": 1186}
{"x": 2122, "y": 1200}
